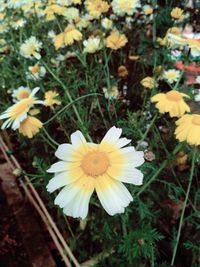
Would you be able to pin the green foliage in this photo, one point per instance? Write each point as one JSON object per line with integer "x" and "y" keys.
{"x": 140, "y": 244}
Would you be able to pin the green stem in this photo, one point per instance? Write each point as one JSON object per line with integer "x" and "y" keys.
{"x": 146, "y": 132}
{"x": 184, "y": 206}
{"x": 69, "y": 98}
{"x": 163, "y": 165}
{"x": 179, "y": 79}
{"x": 107, "y": 70}
{"x": 50, "y": 139}
{"x": 68, "y": 105}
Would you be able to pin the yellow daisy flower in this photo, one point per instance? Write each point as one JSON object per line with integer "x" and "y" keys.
{"x": 171, "y": 102}
{"x": 85, "y": 167}
{"x": 50, "y": 98}
{"x": 18, "y": 112}
{"x": 188, "y": 129}
{"x": 51, "y": 10}
{"x": 30, "y": 126}
{"x": 116, "y": 40}
{"x": 177, "y": 13}
{"x": 148, "y": 82}
{"x": 96, "y": 7}
{"x": 68, "y": 37}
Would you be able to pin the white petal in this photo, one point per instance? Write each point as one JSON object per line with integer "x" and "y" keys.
{"x": 37, "y": 56}
{"x": 114, "y": 198}
{"x": 77, "y": 139}
{"x": 66, "y": 195}
{"x": 79, "y": 205}
{"x": 4, "y": 115}
{"x": 122, "y": 142}
{"x": 128, "y": 149}
{"x": 64, "y": 152}
{"x": 136, "y": 158}
{"x": 58, "y": 167}
{"x": 58, "y": 181}
{"x": 112, "y": 135}
{"x": 34, "y": 91}
{"x": 6, "y": 124}
{"x": 132, "y": 177}
{"x": 16, "y": 124}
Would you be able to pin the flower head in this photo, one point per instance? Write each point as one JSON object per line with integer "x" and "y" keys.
{"x": 71, "y": 14}
{"x": 188, "y": 129}
{"x": 148, "y": 82}
{"x": 31, "y": 48}
{"x": 122, "y": 7}
{"x": 116, "y": 40}
{"x": 85, "y": 167}
{"x": 147, "y": 9}
{"x": 68, "y": 37}
{"x": 50, "y": 98}
{"x": 30, "y": 126}
{"x": 177, "y": 13}
{"x": 18, "y": 112}
{"x": 171, "y": 102}
{"x": 106, "y": 23}
{"x": 96, "y": 7}
{"x": 171, "y": 75}
{"x": 122, "y": 71}
{"x": 36, "y": 72}
{"x": 53, "y": 9}
{"x": 92, "y": 45}
{"x": 21, "y": 93}
{"x": 18, "y": 23}
{"x": 112, "y": 93}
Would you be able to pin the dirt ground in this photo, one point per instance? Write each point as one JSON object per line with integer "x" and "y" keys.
{"x": 12, "y": 253}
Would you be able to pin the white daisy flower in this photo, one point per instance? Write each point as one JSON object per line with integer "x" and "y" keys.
{"x": 112, "y": 93}
{"x": 71, "y": 14}
{"x": 18, "y": 112}
{"x": 15, "y": 3}
{"x": 51, "y": 35}
{"x": 122, "y": 7}
{"x": 20, "y": 3}
{"x": 21, "y": 93}
{"x": 64, "y": 2}
{"x": 92, "y": 44}
{"x": 196, "y": 93}
{"x": 18, "y": 23}
{"x": 106, "y": 23}
{"x": 87, "y": 167}
{"x": 3, "y": 5}
{"x": 171, "y": 75}
{"x": 197, "y": 80}
{"x": 31, "y": 48}
{"x": 36, "y": 72}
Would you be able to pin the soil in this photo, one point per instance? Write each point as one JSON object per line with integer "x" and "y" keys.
{"x": 12, "y": 253}
{"x": 23, "y": 243}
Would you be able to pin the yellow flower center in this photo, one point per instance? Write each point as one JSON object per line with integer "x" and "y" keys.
{"x": 23, "y": 94}
{"x": 95, "y": 163}
{"x": 196, "y": 120}
{"x": 35, "y": 69}
{"x": 173, "y": 96}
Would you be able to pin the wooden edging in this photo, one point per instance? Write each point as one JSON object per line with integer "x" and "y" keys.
{"x": 39, "y": 205}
